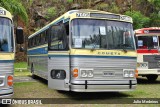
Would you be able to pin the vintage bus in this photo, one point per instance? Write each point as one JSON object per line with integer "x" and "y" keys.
{"x": 148, "y": 60}
{"x": 85, "y": 51}
{"x": 7, "y": 52}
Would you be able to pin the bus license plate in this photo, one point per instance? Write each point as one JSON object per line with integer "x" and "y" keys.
{"x": 108, "y": 73}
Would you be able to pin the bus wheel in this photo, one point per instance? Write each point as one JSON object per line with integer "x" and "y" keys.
{"x": 32, "y": 71}
{"x": 152, "y": 77}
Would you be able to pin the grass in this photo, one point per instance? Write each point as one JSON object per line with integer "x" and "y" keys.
{"x": 21, "y": 72}
{"x": 39, "y": 89}
{"x": 20, "y": 65}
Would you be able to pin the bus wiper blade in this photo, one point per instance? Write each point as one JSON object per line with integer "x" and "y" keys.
{"x": 123, "y": 46}
{"x": 96, "y": 41}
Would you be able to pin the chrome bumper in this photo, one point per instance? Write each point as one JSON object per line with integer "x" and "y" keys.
{"x": 103, "y": 86}
{"x": 6, "y": 93}
{"x": 148, "y": 71}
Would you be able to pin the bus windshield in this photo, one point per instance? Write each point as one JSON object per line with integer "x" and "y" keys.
{"x": 6, "y": 38}
{"x": 147, "y": 42}
{"x": 102, "y": 34}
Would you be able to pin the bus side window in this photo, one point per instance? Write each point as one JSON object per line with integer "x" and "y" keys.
{"x": 34, "y": 41}
{"x": 46, "y": 36}
{"x": 37, "y": 40}
{"x": 66, "y": 39}
{"x": 43, "y": 37}
{"x": 28, "y": 43}
{"x": 58, "y": 37}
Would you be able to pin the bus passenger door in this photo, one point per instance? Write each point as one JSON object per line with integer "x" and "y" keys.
{"x": 58, "y": 59}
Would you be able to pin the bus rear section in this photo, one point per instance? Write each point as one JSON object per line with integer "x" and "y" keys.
{"x": 6, "y": 76}
{"x": 6, "y": 54}
{"x": 148, "y": 61}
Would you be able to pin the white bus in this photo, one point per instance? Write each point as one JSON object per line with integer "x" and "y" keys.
{"x": 148, "y": 49}
{"x": 85, "y": 51}
{"x": 7, "y": 52}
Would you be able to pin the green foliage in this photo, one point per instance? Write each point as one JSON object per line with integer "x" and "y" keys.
{"x": 114, "y": 8}
{"x": 155, "y": 2}
{"x": 15, "y": 7}
{"x": 69, "y": 1}
{"x": 109, "y": 8}
{"x": 20, "y": 65}
{"x": 155, "y": 20}
{"x": 139, "y": 20}
{"x": 103, "y": 6}
{"x": 51, "y": 12}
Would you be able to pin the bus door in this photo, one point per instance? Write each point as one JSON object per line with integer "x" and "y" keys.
{"x": 58, "y": 59}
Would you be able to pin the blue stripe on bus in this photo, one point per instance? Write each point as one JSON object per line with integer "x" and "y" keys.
{"x": 89, "y": 56}
{"x": 38, "y": 51}
{"x": 6, "y": 61}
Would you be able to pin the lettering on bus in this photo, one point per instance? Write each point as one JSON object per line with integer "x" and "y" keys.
{"x": 83, "y": 14}
{"x": 109, "y": 53}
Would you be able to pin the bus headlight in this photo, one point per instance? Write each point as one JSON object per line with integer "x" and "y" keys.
{"x": 128, "y": 73}
{"x": 58, "y": 74}
{"x": 86, "y": 73}
{"x": 90, "y": 73}
{"x": 142, "y": 65}
{"x": 83, "y": 73}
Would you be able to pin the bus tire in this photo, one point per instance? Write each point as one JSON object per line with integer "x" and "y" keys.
{"x": 61, "y": 91}
{"x": 152, "y": 77}
{"x": 32, "y": 71}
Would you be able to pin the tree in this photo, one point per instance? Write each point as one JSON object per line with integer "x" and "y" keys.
{"x": 16, "y": 8}
{"x": 139, "y": 20}
{"x": 155, "y": 13}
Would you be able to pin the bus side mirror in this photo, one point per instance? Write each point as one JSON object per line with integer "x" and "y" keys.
{"x": 19, "y": 35}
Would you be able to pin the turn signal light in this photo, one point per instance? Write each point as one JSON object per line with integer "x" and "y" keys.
{"x": 75, "y": 73}
{"x": 136, "y": 73}
{"x": 10, "y": 80}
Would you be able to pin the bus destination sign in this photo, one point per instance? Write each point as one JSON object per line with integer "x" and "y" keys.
{"x": 2, "y": 12}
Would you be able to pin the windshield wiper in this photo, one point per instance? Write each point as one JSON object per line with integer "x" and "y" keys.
{"x": 123, "y": 46}
{"x": 96, "y": 41}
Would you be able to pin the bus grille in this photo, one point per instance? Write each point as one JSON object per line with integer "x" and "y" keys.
{"x": 6, "y": 68}
{"x": 101, "y": 65}
{"x": 153, "y": 61}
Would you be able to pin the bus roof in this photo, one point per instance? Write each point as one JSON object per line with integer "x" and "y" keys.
{"x": 86, "y": 14}
{"x": 147, "y": 30}
{"x": 5, "y": 13}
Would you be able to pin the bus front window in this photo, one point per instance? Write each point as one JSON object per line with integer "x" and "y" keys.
{"x": 102, "y": 34}
{"x": 6, "y": 39}
{"x": 147, "y": 42}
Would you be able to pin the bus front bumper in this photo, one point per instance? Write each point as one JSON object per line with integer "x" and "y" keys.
{"x": 6, "y": 92}
{"x": 148, "y": 71}
{"x": 103, "y": 86}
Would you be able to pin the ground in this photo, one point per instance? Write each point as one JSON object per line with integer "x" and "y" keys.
{"x": 26, "y": 87}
